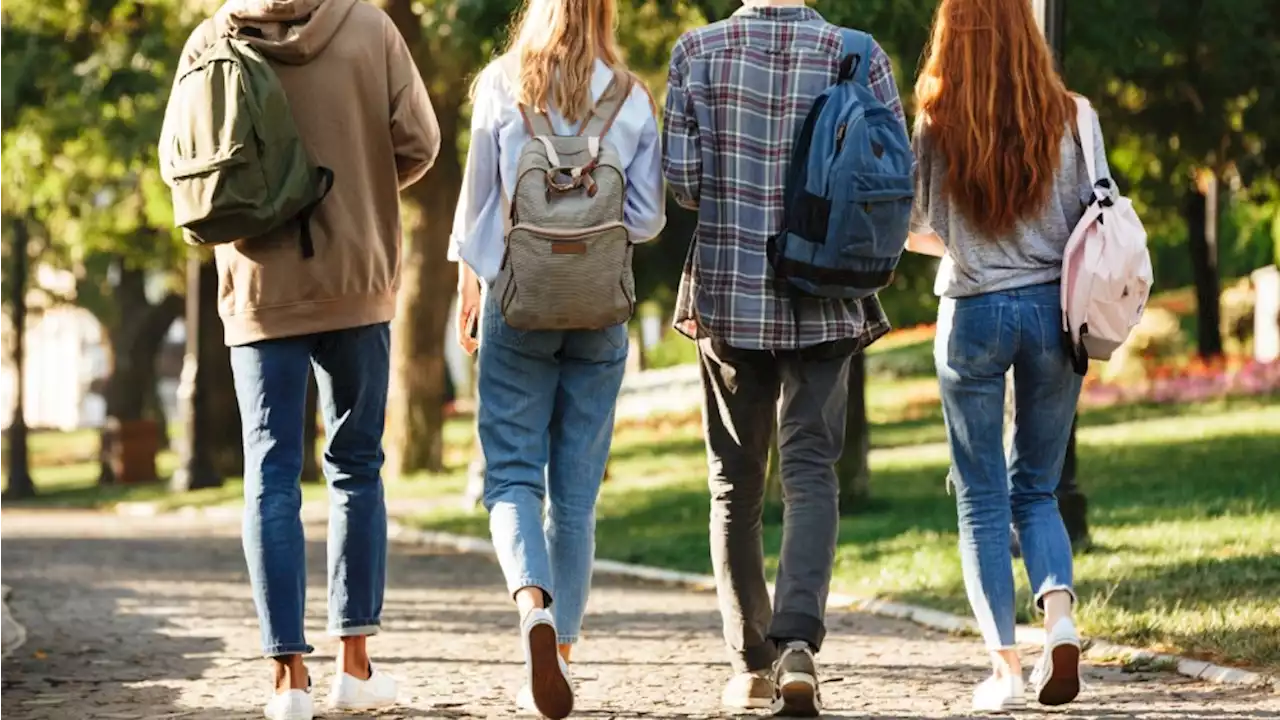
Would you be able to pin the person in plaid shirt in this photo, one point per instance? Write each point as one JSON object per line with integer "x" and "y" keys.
{"x": 738, "y": 93}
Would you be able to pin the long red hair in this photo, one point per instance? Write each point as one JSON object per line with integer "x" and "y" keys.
{"x": 995, "y": 108}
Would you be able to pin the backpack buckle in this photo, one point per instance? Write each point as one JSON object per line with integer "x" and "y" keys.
{"x": 849, "y": 66}
{"x": 563, "y": 179}
{"x": 566, "y": 179}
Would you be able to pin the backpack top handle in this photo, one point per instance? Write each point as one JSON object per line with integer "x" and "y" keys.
{"x": 856, "y": 64}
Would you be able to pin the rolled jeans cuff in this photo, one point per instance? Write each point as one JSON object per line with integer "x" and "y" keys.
{"x": 791, "y": 626}
{"x": 286, "y": 649}
{"x": 527, "y": 581}
{"x": 1054, "y": 588}
{"x": 359, "y": 628}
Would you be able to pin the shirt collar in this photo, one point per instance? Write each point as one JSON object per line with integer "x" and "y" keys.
{"x": 785, "y": 13}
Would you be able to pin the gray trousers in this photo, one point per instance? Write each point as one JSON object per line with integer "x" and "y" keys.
{"x": 745, "y": 391}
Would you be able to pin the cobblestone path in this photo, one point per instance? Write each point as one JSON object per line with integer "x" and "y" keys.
{"x": 150, "y": 618}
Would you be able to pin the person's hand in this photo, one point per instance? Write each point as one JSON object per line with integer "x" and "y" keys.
{"x": 468, "y": 310}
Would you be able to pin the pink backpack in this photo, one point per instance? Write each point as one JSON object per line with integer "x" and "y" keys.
{"x": 1106, "y": 271}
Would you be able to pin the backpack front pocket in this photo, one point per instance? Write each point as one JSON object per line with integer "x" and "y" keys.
{"x": 217, "y": 195}
{"x": 878, "y": 227}
{"x": 576, "y": 279}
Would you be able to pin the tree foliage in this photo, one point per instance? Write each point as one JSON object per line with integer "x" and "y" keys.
{"x": 1182, "y": 87}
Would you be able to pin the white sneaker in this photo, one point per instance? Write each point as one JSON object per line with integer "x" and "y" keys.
{"x": 290, "y": 705}
{"x": 524, "y": 701}
{"x": 548, "y": 675}
{"x": 999, "y": 694}
{"x": 1056, "y": 677}
{"x": 350, "y": 693}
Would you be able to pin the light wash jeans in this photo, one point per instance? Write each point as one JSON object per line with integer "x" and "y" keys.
{"x": 979, "y": 339}
{"x": 546, "y": 407}
{"x": 271, "y": 377}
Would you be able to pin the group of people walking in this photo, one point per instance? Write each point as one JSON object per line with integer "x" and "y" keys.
{"x": 1000, "y": 180}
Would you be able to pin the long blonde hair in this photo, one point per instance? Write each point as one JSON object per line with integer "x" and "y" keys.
{"x": 996, "y": 107}
{"x": 555, "y": 44}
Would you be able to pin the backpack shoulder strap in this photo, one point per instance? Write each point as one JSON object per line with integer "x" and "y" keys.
{"x": 536, "y": 123}
{"x": 858, "y": 47}
{"x": 608, "y": 107}
{"x": 1084, "y": 126}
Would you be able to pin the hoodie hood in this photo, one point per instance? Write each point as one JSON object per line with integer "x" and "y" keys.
{"x": 289, "y": 31}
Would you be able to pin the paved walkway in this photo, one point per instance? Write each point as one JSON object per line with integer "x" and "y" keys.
{"x": 150, "y": 618}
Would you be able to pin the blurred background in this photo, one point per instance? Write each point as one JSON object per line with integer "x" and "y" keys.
{"x": 117, "y": 390}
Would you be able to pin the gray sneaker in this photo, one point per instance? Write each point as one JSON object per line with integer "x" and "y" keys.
{"x": 797, "y": 683}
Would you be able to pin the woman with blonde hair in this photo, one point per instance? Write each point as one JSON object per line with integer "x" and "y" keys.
{"x": 547, "y": 397}
{"x": 1002, "y": 181}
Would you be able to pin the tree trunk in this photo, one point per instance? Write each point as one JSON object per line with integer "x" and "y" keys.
{"x": 224, "y": 435}
{"x": 310, "y": 434}
{"x": 138, "y": 332}
{"x": 415, "y": 408}
{"x": 198, "y": 390}
{"x": 854, "y": 468}
{"x": 17, "y": 469}
{"x": 1202, "y": 229}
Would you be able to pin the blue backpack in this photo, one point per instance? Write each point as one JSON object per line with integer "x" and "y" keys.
{"x": 849, "y": 189}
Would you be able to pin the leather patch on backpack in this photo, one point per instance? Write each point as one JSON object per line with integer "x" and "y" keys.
{"x": 568, "y": 248}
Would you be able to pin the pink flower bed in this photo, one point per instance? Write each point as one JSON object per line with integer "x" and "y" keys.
{"x": 1192, "y": 383}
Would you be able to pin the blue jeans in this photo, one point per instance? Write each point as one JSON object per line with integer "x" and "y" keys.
{"x": 979, "y": 339}
{"x": 271, "y": 377}
{"x": 546, "y": 405}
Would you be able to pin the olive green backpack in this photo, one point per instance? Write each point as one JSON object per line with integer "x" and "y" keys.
{"x": 231, "y": 153}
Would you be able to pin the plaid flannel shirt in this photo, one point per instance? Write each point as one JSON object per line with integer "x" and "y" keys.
{"x": 738, "y": 92}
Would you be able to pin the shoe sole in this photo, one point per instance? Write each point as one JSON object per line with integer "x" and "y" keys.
{"x": 748, "y": 704}
{"x": 552, "y": 693}
{"x": 1008, "y": 705}
{"x": 1063, "y": 684}
{"x": 798, "y": 696}
{"x": 361, "y": 707}
{"x": 289, "y": 715}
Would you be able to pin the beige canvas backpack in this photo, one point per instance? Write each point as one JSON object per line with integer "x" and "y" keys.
{"x": 567, "y": 264}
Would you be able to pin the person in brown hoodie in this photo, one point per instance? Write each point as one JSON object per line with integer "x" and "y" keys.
{"x": 362, "y": 110}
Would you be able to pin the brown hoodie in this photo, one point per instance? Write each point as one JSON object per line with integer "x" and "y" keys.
{"x": 362, "y": 110}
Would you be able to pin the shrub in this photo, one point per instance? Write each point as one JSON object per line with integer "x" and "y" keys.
{"x": 1237, "y": 304}
{"x": 1157, "y": 340}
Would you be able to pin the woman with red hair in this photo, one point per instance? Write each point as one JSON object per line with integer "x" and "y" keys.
{"x": 1002, "y": 181}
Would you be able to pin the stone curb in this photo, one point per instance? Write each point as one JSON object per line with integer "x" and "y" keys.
{"x": 927, "y": 617}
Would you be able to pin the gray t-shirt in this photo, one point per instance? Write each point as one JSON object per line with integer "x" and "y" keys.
{"x": 1031, "y": 254}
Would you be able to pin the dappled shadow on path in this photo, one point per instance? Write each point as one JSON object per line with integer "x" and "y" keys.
{"x": 142, "y": 624}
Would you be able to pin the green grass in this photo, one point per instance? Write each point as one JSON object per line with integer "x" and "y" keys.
{"x": 65, "y": 470}
{"x": 1185, "y": 508}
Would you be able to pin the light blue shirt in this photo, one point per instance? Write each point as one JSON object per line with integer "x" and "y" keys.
{"x": 498, "y": 136}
